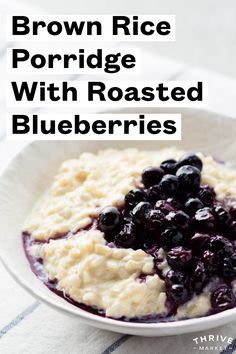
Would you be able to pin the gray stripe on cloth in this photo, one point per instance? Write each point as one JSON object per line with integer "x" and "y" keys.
{"x": 231, "y": 348}
{"x": 116, "y": 344}
{"x": 19, "y": 318}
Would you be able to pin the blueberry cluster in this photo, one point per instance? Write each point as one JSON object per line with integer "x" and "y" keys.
{"x": 174, "y": 211}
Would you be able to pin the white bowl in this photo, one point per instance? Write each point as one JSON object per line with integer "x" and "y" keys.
{"x": 29, "y": 174}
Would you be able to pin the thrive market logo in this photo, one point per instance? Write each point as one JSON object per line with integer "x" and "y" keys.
{"x": 212, "y": 342}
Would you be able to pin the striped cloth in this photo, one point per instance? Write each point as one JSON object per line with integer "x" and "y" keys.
{"x": 29, "y": 327}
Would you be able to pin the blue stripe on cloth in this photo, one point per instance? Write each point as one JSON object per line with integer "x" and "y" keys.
{"x": 19, "y": 318}
{"x": 231, "y": 348}
{"x": 117, "y": 344}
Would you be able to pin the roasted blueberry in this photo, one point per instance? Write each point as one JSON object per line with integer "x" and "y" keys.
{"x": 171, "y": 238}
{"x": 169, "y": 185}
{"x": 154, "y": 194}
{"x": 109, "y": 219}
{"x": 231, "y": 231}
{"x": 211, "y": 261}
{"x": 189, "y": 178}
{"x": 169, "y": 166}
{"x": 204, "y": 219}
{"x": 175, "y": 203}
{"x": 179, "y": 257}
{"x": 126, "y": 237}
{"x": 192, "y": 160}
{"x": 151, "y": 176}
{"x": 179, "y": 219}
{"x": 232, "y": 210}
{"x": 177, "y": 286}
{"x": 155, "y": 221}
{"x": 222, "y": 217}
{"x": 192, "y": 205}
{"x": 140, "y": 211}
{"x": 145, "y": 240}
{"x": 229, "y": 266}
{"x": 221, "y": 245}
{"x": 207, "y": 195}
{"x": 174, "y": 277}
{"x": 199, "y": 242}
{"x": 199, "y": 277}
{"x": 133, "y": 197}
{"x": 178, "y": 293}
{"x": 164, "y": 206}
{"x": 222, "y": 298}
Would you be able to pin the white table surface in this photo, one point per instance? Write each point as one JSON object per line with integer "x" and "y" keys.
{"x": 206, "y": 29}
{"x": 28, "y": 327}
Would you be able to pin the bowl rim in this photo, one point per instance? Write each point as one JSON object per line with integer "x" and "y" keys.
{"x": 188, "y": 325}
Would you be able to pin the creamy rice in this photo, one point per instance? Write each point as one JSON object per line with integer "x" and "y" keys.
{"x": 97, "y": 275}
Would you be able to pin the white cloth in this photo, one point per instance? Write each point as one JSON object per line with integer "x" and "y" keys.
{"x": 28, "y": 327}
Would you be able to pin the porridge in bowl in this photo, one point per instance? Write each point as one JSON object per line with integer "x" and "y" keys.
{"x": 138, "y": 235}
